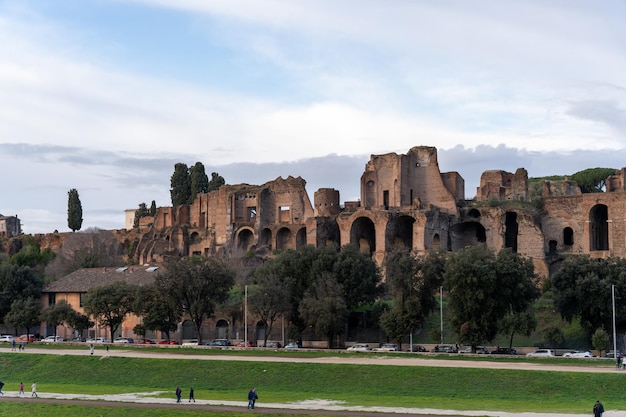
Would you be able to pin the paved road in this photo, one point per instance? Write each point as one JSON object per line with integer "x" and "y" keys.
{"x": 145, "y": 400}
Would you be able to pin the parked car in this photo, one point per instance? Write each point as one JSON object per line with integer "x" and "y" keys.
{"x": 387, "y": 347}
{"x": 146, "y": 341}
{"x": 360, "y": 347}
{"x": 6, "y": 338}
{"x": 53, "y": 339}
{"x": 541, "y": 353}
{"x": 578, "y": 354}
{"x": 293, "y": 345}
{"x": 416, "y": 348}
{"x": 165, "y": 342}
{"x": 219, "y": 342}
{"x": 123, "y": 340}
{"x": 611, "y": 354}
{"x": 190, "y": 342}
{"x": 274, "y": 345}
{"x": 244, "y": 343}
{"x": 480, "y": 350}
{"x": 444, "y": 349}
{"x": 26, "y": 338}
{"x": 97, "y": 340}
{"x": 504, "y": 351}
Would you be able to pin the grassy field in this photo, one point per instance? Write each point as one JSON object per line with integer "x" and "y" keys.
{"x": 368, "y": 385}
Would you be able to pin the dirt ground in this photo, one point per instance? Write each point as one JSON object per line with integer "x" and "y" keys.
{"x": 320, "y": 406}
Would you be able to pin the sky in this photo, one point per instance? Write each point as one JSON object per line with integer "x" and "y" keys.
{"x": 106, "y": 96}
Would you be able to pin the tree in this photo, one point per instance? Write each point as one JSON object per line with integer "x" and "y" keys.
{"x": 180, "y": 190}
{"x": 61, "y": 312}
{"x": 110, "y": 304}
{"x": 581, "y": 289}
{"x": 216, "y": 182}
{"x": 199, "y": 181}
{"x": 592, "y": 180}
{"x": 156, "y": 310}
{"x": 74, "y": 211}
{"x": 269, "y": 298}
{"x": 142, "y": 211}
{"x": 18, "y": 283}
{"x": 412, "y": 282}
{"x": 24, "y": 313}
{"x": 153, "y": 208}
{"x": 358, "y": 275}
{"x": 483, "y": 288}
{"x": 600, "y": 339}
{"x": 79, "y": 322}
{"x": 195, "y": 286}
{"x": 523, "y": 323}
{"x": 324, "y": 307}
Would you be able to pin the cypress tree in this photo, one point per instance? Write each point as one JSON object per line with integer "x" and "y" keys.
{"x": 180, "y": 185}
{"x": 74, "y": 211}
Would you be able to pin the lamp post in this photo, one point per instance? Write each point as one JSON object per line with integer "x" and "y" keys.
{"x": 441, "y": 313}
{"x": 245, "y": 317}
{"x": 614, "y": 329}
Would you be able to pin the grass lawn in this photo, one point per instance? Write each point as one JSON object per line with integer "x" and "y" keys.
{"x": 368, "y": 385}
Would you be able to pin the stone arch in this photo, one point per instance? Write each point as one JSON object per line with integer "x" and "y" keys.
{"x": 266, "y": 238}
{"x": 568, "y": 236}
{"x": 187, "y": 330}
{"x": 221, "y": 329}
{"x": 259, "y": 331}
{"x": 436, "y": 245}
{"x": 467, "y": 234}
{"x": 195, "y": 237}
{"x": 245, "y": 239}
{"x": 511, "y": 230}
{"x": 399, "y": 233}
{"x": 301, "y": 238}
{"x": 599, "y": 227}
{"x": 328, "y": 233}
{"x": 363, "y": 235}
{"x": 474, "y": 213}
{"x": 284, "y": 239}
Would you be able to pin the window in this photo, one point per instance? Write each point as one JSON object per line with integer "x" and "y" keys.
{"x": 52, "y": 299}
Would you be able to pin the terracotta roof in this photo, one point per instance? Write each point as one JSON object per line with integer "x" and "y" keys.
{"x": 85, "y": 279}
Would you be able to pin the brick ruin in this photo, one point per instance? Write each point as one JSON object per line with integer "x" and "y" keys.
{"x": 405, "y": 203}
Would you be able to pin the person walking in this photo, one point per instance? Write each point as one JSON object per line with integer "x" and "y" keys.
{"x": 598, "y": 409}
{"x": 1, "y": 385}
{"x": 91, "y": 349}
{"x": 191, "y": 397}
{"x": 33, "y": 390}
{"x": 178, "y": 394}
{"x": 14, "y": 346}
{"x": 252, "y": 397}
{"x": 21, "y": 393}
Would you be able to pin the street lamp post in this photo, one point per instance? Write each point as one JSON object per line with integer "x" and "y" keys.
{"x": 614, "y": 329}
{"x": 441, "y": 313}
{"x": 245, "y": 317}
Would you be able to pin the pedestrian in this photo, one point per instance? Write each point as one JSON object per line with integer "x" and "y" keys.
{"x": 178, "y": 394}
{"x": 21, "y": 389}
{"x": 33, "y": 390}
{"x": 1, "y": 385}
{"x": 252, "y": 397}
{"x": 91, "y": 349}
{"x": 598, "y": 409}
{"x": 191, "y": 397}
{"x": 22, "y": 346}
{"x": 14, "y": 346}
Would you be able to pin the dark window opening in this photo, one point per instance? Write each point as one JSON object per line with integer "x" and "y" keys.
{"x": 568, "y": 236}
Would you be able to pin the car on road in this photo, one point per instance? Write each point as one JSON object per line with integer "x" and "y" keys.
{"x": 541, "y": 353}
{"x": 480, "y": 350}
{"x": 146, "y": 341}
{"x": 245, "y": 343}
{"x": 273, "y": 345}
{"x": 416, "y": 348}
{"x": 190, "y": 342}
{"x": 219, "y": 342}
{"x": 26, "y": 338}
{"x": 504, "y": 351}
{"x": 165, "y": 342}
{"x": 53, "y": 339}
{"x": 293, "y": 345}
{"x": 611, "y": 354}
{"x": 387, "y": 347}
{"x": 97, "y": 340}
{"x": 578, "y": 354}
{"x": 123, "y": 340}
{"x": 359, "y": 347}
{"x": 6, "y": 338}
{"x": 444, "y": 349}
